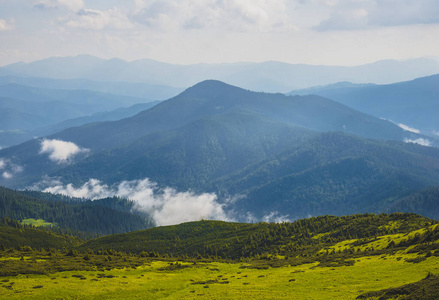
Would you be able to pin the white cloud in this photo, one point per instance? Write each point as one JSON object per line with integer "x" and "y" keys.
{"x": 239, "y": 15}
{"x": 435, "y": 132}
{"x": 167, "y": 206}
{"x": 407, "y": 128}
{"x": 217, "y": 31}
{"x": 73, "y": 5}
{"x": 7, "y": 175}
{"x": 420, "y": 141}
{"x": 349, "y": 19}
{"x": 275, "y": 217}
{"x": 368, "y": 14}
{"x": 404, "y": 12}
{"x": 178, "y": 207}
{"x": 4, "y": 25}
{"x": 10, "y": 169}
{"x": 97, "y": 20}
{"x": 60, "y": 151}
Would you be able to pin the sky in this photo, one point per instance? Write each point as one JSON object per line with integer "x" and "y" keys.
{"x": 320, "y": 32}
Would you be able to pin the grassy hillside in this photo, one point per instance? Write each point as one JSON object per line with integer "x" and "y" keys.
{"x": 18, "y": 236}
{"x": 236, "y": 240}
{"x": 427, "y": 288}
{"x": 361, "y": 256}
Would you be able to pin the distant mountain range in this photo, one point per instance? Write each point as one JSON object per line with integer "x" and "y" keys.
{"x": 259, "y": 153}
{"x": 414, "y": 104}
{"x": 268, "y": 76}
{"x": 143, "y": 90}
{"x": 27, "y": 112}
{"x": 49, "y": 106}
{"x": 17, "y": 136}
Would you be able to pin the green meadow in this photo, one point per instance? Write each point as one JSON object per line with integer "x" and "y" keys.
{"x": 219, "y": 280}
{"x": 37, "y": 222}
{"x": 353, "y": 257}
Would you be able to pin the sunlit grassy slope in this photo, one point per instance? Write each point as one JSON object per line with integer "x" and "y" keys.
{"x": 223, "y": 281}
{"x": 318, "y": 258}
{"x": 36, "y": 222}
{"x": 236, "y": 240}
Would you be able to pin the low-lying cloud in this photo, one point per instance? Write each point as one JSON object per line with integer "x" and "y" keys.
{"x": 420, "y": 141}
{"x": 60, "y": 151}
{"x": 407, "y": 128}
{"x": 9, "y": 169}
{"x": 275, "y": 217}
{"x": 167, "y": 206}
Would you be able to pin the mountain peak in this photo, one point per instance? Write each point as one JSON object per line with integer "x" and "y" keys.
{"x": 211, "y": 83}
{"x": 208, "y": 88}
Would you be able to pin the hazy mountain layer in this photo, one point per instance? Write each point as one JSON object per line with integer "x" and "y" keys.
{"x": 413, "y": 103}
{"x": 131, "y": 89}
{"x": 213, "y": 98}
{"x": 27, "y": 112}
{"x": 17, "y": 136}
{"x": 266, "y": 76}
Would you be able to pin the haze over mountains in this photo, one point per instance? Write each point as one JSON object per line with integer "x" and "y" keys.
{"x": 268, "y": 76}
{"x": 26, "y": 112}
{"x": 219, "y": 151}
{"x": 413, "y": 104}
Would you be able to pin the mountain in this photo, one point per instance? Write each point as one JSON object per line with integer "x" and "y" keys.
{"x": 17, "y": 136}
{"x": 104, "y": 216}
{"x": 26, "y": 112}
{"x": 14, "y": 235}
{"x": 113, "y": 115}
{"x": 423, "y": 202}
{"x": 51, "y": 105}
{"x": 334, "y": 173}
{"x": 412, "y": 103}
{"x": 25, "y": 107}
{"x": 260, "y": 154}
{"x": 268, "y": 76}
{"x": 131, "y": 89}
{"x": 211, "y": 97}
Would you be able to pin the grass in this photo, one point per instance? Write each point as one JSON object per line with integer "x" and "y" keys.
{"x": 381, "y": 242}
{"x": 167, "y": 280}
{"x": 371, "y": 265}
{"x": 37, "y": 222}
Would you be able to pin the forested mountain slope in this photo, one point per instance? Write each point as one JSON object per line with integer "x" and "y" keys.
{"x": 413, "y": 103}
{"x": 104, "y": 216}
{"x": 273, "y": 154}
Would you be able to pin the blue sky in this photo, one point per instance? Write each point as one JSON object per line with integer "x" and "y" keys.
{"x": 330, "y": 32}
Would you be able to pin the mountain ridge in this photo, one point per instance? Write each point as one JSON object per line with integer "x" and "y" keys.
{"x": 280, "y": 76}
{"x": 412, "y": 103}
{"x": 272, "y": 153}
